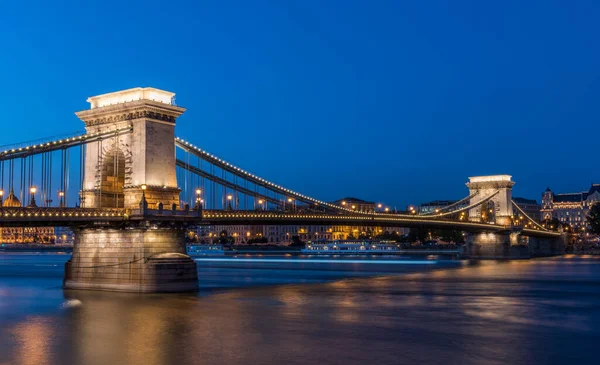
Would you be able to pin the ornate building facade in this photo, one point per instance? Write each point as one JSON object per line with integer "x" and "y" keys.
{"x": 358, "y": 205}
{"x": 24, "y": 234}
{"x": 571, "y": 208}
{"x": 277, "y": 234}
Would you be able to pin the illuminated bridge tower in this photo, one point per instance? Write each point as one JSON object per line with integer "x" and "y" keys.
{"x": 496, "y": 190}
{"x": 140, "y": 153}
{"x": 499, "y": 208}
{"x": 132, "y": 170}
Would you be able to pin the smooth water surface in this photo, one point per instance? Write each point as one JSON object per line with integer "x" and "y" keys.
{"x": 298, "y": 310}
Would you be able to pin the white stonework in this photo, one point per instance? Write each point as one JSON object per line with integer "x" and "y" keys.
{"x": 486, "y": 186}
{"x": 129, "y": 95}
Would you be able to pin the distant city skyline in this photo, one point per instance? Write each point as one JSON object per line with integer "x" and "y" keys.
{"x": 397, "y": 103}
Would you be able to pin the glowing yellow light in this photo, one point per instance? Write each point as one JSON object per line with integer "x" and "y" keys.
{"x": 144, "y": 186}
{"x": 33, "y": 189}
{"x": 229, "y": 197}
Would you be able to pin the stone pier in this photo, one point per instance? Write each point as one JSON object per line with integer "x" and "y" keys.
{"x": 494, "y": 245}
{"x": 131, "y": 259}
{"x": 511, "y": 245}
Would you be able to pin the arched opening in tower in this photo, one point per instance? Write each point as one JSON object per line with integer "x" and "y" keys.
{"x": 489, "y": 212}
{"x": 113, "y": 178}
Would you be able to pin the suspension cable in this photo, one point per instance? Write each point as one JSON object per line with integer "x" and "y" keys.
{"x": 528, "y": 217}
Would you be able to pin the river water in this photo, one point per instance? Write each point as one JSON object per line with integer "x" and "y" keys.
{"x": 298, "y": 310}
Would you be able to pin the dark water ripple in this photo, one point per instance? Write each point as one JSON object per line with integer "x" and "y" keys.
{"x": 528, "y": 312}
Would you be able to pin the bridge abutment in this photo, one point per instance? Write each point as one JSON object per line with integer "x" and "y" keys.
{"x": 511, "y": 245}
{"x": 494, "y": 245}
{"x": 546, "y": 246}
{"x": 143, "y": 260}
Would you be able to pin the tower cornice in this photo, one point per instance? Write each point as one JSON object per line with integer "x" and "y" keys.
{"x": 148, "y": 109}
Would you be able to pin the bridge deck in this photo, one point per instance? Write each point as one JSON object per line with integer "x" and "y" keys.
{"x": 40, "y": 216}
{"x": 216, "y": 217}
{"x": 72, "y": 217}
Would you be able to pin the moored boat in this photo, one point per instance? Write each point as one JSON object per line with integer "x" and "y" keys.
{"x": 351, "y": 247}
{"x": 205, "y": 250}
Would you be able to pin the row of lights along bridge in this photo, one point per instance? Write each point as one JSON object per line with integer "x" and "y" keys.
{"x": 199, "y": 201}
{"x": 291, "y": 201}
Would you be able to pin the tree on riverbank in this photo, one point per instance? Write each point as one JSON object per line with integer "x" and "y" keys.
{"x": 224, "y": 238}
{"x": 296, "y": 241}
{"x": 257, "y": 240}
{"x": 552, "y": 224}
{"x": 390, "y": 236}
{"x": 593, "y": 218}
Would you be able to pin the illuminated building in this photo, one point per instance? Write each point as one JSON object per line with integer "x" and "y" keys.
{"x": 24, "y": 234}
{"x": 283, "y": 234}
{"x": 240, "y": 233}
{"x": 357, "y": 205}
{"x": 571, "y": 208}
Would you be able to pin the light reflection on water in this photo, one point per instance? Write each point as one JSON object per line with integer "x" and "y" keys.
{"x": 541, "y": 311}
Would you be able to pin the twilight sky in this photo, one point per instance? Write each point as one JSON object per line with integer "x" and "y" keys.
{"x": 391, "y": 101}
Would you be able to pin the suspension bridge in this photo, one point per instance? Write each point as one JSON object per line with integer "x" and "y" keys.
{"x": 130, "y": 189}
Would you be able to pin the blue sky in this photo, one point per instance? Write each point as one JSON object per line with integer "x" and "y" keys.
{"x": 390, "y": 101}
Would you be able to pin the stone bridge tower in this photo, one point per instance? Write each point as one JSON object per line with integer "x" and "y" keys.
{"x": 510, "y": 241}
{"x": 499, "y": 209}
{"x": 132, "y": 168}
{"x": 141, "y": 152}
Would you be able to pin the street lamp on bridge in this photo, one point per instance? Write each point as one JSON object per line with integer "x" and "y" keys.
{"x": 32, "y": 190}
{"x": 198, "y": 199}
{"x": 61, "y": 199}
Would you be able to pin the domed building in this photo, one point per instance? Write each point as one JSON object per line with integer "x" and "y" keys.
{"x": 23, "y": 234}
{"x": 11, "y": 201}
